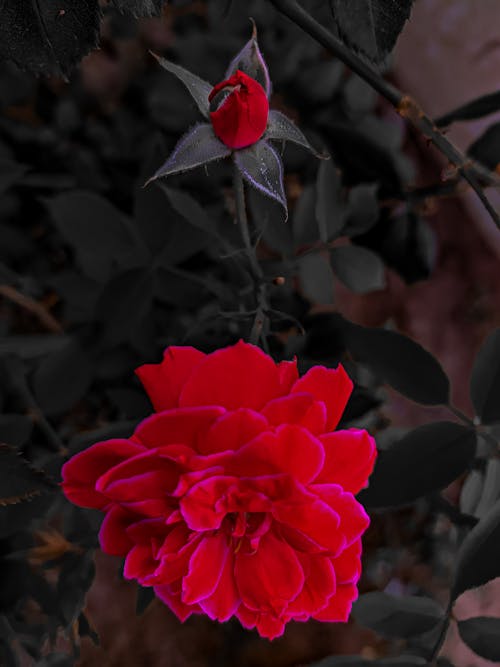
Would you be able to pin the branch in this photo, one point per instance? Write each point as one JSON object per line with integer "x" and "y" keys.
{"x": 471, "y": 171}
{"x": 32, "y": 306}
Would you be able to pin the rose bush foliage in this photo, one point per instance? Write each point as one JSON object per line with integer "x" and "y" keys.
{"x": 236, "y": 497}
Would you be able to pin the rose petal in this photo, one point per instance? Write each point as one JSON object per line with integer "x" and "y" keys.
{"x": 353, "y": 518}
{"x": 300, "y": 409}
{"x": 184, "y": 426}
{"x": 291, "y": 449}
{"x": 139, "y": 563}
{"x": 319, "y": 585}
{"x": 349, "y": 459}
{"x": 270, "y": 578}
{"x": 175, "y": 603}
{"x": 163, "y": 382}
{"x": 339, "y": 606}
{"x": 347, "y": 564}
{"x": 81, "y": 472}
{"x": 288, "y": 375}
{"x": 332, "y": 386}
{"x": 240, "y": 376}
{"x": 204, "y": 505}
{"x": 113, "y": 536}
{"x": 232, "y": 430}
{"x": 205, "y": 568}
{"x": 225, "y": 600}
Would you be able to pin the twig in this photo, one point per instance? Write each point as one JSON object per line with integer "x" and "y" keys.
{"x": 260, "y": 321}
{"x": 406, "y": 107}
{"x": 32, "y": 306}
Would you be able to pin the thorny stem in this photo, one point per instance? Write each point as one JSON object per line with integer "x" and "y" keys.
{"x": 260, "y": 321}
{"x": 406, "y": 107}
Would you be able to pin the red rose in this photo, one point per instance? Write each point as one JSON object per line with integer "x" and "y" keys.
{"x": 236, "y": 497}
{"x": 239, "y": 110}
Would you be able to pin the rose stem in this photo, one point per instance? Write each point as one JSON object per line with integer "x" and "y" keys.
{"x": 405, "y": 106}
{"x": 258, "y": 331}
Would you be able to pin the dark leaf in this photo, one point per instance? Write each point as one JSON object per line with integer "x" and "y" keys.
{"x": 192, "y": 212}
{"x": 268, "y": 218}
{"x": 75, "y": 578}
{"x": 197, "y": 147}
{"x": 140, "y": 7}
{"x": 360, "y": 269}
{"x": 251, "y": 61}
{"x": 198, "y": 88}
{"x": 479, "y": 557}
{"x": 316, "y": 278}
{"x": 485, "y": 380}
{"x": 62, "y": 378}
{"x": 482, "y": 635}
{"x": 47, "y": 37}
{"x": 401, "y": 362}
{"x": 363, "y": 209}
{"x": 124, "y": 303}
{"x": 261, "y": 166}
{"x": 281, "y": 128}
{"x": 100, "y": 235}
{"x": 393, "y": 616}
{"x": 359, "y": 661}
{"x": 56, "y": 660}
{"x": 19, "y": 480}
{"x": 304, "y": 225}
{"x": 486, "y": 149}
{"x": 145, "y": 595}
{"x": 371, "y": 26}
{"x": 16, "y": 518}
{"x": 330, "y": 211}
{"x": 426, "y": 460}
{"x": 15, "y": 429}
{"x": 481, "y": 106}
{"x": 10, "y": 172}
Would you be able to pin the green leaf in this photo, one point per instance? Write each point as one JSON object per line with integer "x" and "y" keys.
{"x": 393, "y": 616}
{"x": 261, "y": 166}
{"x": 482, "y": 635}
{"x": 198, "y": 88}
{"x": 399, "y": 361}
{"x": 424, "y": 461}
{"x": 330, "y": 212}
{"x": 478, "y": 560}
{"x": 316, "y": 278}
{"x": 371, "y": 26}
{"x": 197, "y": 147}
{"x": 360, "y": 269}
{"x": 485, "y": 380}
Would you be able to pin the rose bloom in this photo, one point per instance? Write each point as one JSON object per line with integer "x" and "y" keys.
{"x": 239, "y": 110}
{"x": 236, "y": 498}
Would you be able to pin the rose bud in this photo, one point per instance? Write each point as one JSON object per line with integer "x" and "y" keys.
{"x": 238, "y": 110}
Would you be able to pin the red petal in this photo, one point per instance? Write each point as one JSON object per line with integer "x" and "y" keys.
{"x": 353, "y": 518}
{"x": 174, "y": 602}
{"x": 240, "y": 376}
{"x": 347, "y": 565}
{"x": 164, "y": 381}
{"x": 81, "y": 472}
{"x": 339, "y": 605}
{"x": 175, "y": 564}
{"x": 204, "y": 506}
{"x": 113, "y": 536}
{"x": 291, "y": 450}
{"x": 224, "y": 601}
{"x": 139, "y": 563}
{"x": 332, "y": 386}
{"x": 139, "y": 478}
{"x": 288, "y": 374}
{"x": 315, "y": 519}
{"x": 205, "y": 568}
{"x": 246, "y": 617}
{"x": 177, "y": 426}
{"x": 142, "y": 531}
{"x": 269, "y": 626}
{"x": 300, "y": 409}
{"x": 233, "y": 430}
{"x": 349, "y": 459}
{"x": 270, "y": 578}
{"x": 319, "y": 585}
